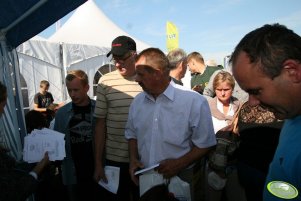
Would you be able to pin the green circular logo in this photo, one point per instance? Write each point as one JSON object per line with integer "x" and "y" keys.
{"x": 282, "y": 189}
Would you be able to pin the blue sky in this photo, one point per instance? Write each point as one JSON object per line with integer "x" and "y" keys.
{"x": 211, "y": 27}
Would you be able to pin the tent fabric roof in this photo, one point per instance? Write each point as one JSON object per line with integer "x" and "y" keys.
{"x": 33, "y": 20}
{"x": 89, "y": 25}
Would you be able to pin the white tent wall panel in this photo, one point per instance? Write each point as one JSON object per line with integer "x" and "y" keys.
{"x": 90, "y": 66}
{"x": 85, "y": 57}
{"x": 74, "y": 53}
{"x": 43, "y": 50}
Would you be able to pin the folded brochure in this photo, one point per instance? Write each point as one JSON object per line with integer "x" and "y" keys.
{"x": 112, "y": 173}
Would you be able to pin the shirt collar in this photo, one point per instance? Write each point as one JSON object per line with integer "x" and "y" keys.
{"x": 168, "y": 93}
{"x": 196, "y": 73}
{"x": 170, "y": 90}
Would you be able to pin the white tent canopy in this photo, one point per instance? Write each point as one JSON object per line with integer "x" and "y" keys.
{"x": 89, "y": 25}
{"x": 81, "y": 43}
{"x": 43, "y": 60}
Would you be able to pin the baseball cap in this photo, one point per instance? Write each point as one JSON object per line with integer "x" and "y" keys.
{"x": 121, "y": 45}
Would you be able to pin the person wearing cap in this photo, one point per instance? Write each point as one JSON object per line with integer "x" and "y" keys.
{"x": 115, "y": 92}
{"x": 177, "y": 65}
{"x": 168, "y": 123}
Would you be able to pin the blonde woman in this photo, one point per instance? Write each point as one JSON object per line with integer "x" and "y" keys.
{"x": 221, "y": 171}
{"x": 223, "y": 106}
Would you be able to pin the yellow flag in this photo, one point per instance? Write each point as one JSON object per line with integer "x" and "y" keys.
{"x": 172, "y": 41}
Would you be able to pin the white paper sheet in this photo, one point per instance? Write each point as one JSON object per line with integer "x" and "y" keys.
{"x": 112, "y": 173}
{"x": 40, "y": 141}
{"x": 147, "y": 169}
{"x": 148, "y": 180}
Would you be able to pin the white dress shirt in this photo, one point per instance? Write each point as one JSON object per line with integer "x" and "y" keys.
{"x": 168, "y": 127}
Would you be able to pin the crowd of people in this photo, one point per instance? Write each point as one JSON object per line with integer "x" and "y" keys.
{"x": 233, "y": 135}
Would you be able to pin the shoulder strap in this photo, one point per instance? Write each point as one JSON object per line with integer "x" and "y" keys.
{"x": 235, "y": 120}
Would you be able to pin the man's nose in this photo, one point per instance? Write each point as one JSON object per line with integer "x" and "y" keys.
{"x": 71, "y": 93}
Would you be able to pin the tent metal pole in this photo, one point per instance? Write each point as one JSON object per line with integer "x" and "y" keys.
{"x": 63, "y": 72}
{"x": 19, "y": 96}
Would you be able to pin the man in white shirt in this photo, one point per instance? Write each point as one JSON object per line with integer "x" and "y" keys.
{"x": 167, "y": 123}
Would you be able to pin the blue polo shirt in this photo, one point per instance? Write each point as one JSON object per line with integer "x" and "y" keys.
{"x": 286, "y": 165}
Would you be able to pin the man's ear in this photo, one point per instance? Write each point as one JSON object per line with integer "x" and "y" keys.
{"x": 157, "y": 74}
{"x": 293, "y": 69}
{"x": 87, "y": 87}
{"x": 180, "y": 67}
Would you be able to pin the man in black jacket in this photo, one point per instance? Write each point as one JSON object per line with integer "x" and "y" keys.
{"x": 15, "y": 184}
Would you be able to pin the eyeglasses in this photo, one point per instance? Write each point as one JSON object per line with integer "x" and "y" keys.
{"x": 120, "y": 60}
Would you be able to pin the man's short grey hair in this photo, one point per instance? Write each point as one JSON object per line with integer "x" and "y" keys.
{"x": 175, "y": 56}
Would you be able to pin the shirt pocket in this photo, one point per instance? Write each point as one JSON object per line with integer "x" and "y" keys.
{"x": 176, "y": 133}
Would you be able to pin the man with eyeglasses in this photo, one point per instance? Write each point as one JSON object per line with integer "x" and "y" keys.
{"x": 115, "y": 93}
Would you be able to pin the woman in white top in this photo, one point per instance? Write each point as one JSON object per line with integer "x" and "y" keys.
{"x": 223, "y": 106}
{"x": 221, "y": 173}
